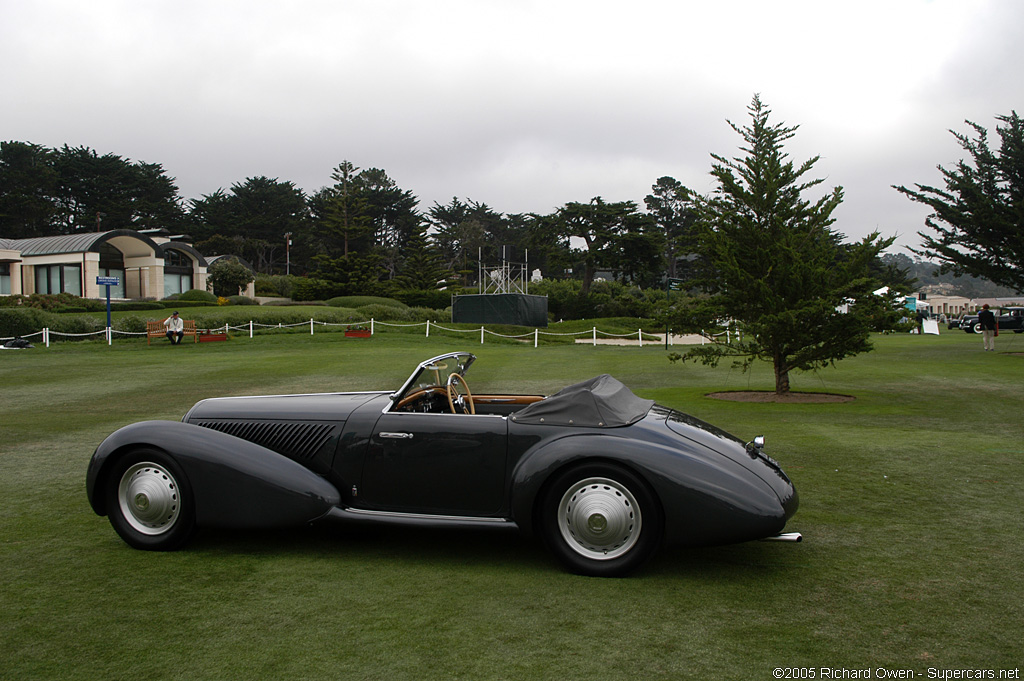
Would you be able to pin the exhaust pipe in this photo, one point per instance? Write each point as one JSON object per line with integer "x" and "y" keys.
{"x": 786, "y": 536}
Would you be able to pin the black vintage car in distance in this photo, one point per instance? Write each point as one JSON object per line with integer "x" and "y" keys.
{"x": 602, "y": 476}
{"x": 1007, "y": 319}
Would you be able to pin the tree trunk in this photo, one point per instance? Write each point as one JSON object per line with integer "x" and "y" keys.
{"x": 589, "y": 271}
{"x": 781, "y": 377}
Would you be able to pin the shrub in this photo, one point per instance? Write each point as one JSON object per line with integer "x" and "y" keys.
{"x": 359, "y": 301}
{"x": 241, "y": 300}
{"x": 275, "y": 285}
{"x": 75, "y": 324}
{"x": 21, "y": 321}
{"x": 314, "y": 289}
{"x": 432, "y": 299}
{"x": 606, "y": 299}
{"x": 198, "y": 295}
{"x": 386, "y": 313}
{"x": 294, "y": 303}
{"x": 53, "y": 302}
{"x": 130, "y": 324}
{"x": 423, "y": 314}
{"x": 182, "y": 304}
{"x": 132, "y": 305}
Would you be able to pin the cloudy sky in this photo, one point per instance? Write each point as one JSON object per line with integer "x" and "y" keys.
{"x": 524, "y": 105}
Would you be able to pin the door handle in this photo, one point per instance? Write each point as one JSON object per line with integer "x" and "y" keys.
{"x": 394, "y": 436}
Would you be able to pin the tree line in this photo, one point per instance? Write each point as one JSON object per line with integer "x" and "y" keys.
{"x": 362, "y": 232}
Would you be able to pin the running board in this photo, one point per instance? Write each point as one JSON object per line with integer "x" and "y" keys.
{"x": 359, "y": 515}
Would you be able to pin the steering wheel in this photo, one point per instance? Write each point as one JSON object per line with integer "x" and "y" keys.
{"x": 454, "y": 396}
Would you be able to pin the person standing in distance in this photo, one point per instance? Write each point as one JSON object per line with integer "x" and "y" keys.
{"x": 989, "y": 327}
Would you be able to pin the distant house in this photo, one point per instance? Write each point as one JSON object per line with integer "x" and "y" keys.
{"x": 148, "y": 264}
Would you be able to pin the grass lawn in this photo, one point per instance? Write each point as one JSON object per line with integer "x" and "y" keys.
{"x": 911, "y": 509}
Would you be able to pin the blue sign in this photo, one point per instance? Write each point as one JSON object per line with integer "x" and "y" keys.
{"x": 108, "y": 282}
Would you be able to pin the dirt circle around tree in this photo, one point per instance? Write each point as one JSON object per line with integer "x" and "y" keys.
{"x": 789, "y": 398}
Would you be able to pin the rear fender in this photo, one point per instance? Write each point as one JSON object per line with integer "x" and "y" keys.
{"x": 705, "y": 497}
{"x": 236, "y": 484}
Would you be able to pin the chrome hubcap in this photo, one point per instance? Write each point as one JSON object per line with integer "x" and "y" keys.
{"x": 148, "y": 497}
{"x": 599, "y": 518}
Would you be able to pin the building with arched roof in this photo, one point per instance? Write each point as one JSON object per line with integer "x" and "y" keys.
{"x": 147, "y": 264}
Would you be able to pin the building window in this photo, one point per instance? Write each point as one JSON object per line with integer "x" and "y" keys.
{"x": 176, "y": 283}
{"x": 173, "y": 258}
{"x": 177, "y": 272}
{"x": 5, "y": 279}
{"x": 54, "y": 279}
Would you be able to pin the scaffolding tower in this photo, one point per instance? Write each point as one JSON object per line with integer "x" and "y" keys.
{"x": 509, "y": 277}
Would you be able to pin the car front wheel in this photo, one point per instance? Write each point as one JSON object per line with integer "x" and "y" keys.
{"x": 149, "y": 501}
{"x": 601, "y": 520}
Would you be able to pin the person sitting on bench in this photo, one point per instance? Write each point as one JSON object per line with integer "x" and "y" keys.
{"x": 175, "y": 329}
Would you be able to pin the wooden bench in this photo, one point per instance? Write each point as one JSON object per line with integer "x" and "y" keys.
{"x": 158, "y": 330}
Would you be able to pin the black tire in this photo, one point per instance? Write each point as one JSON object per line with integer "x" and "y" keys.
{"x": 976, "y": 328}
{"x": 149, "y": 501}
{"x": 600, "y": 520}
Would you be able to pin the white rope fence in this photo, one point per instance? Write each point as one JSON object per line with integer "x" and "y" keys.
{"x": 373, "y": 325}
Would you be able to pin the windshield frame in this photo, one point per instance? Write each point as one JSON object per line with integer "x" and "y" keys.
{"x": 432, "y": 373}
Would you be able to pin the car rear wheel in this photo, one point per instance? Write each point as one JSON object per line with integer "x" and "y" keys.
{"x": 601, "y": 520}
{"x": 976, "y": 328}
{"x": 149, "y": 501}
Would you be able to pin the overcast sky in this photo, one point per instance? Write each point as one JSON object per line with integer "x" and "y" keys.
{"x": 522, "y": 105}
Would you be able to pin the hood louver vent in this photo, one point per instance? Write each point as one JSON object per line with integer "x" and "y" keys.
{"x": 294, "y": 440}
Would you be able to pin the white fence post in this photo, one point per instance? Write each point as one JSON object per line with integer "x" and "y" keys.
{"x": 110, "y": 336}
{"x": 46, "y": 336}
{"x": 371, "y": 326}
{"x": 640, "y": 336}
{"x": 250, "y": 328}
{"x": 536, "y": 332}
{"x": 428, "y": 328}
{"x": 310, "y": 326}
{"x": 595, "y": 336}
{"x": 481, "y": 335}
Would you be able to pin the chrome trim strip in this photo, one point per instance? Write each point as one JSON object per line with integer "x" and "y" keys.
{"x": 447, "y": 413}
{"x": 426, "y": 516}
{"x": 252, "y": 397}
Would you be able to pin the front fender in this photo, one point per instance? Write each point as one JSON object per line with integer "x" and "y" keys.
{"x": 706, "y": 498}
{"x": 236, "y": 484}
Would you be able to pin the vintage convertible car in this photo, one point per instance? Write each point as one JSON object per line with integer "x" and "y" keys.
{"x": 601, "y": 475}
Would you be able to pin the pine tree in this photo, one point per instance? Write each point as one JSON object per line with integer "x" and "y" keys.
{"x": 773, "y": 264}
{"x": 978, "y": 219}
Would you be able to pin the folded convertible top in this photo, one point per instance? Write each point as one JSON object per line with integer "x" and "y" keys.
{"x": 601, "y": 402}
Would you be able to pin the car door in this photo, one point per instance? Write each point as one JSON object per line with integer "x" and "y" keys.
{"x": 442, "y": 464}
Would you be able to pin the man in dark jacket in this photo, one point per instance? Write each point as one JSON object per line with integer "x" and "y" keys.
{"x": 989, "y": 327}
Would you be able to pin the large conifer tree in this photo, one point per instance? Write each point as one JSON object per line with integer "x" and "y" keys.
{"x": 774, "y": 266}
